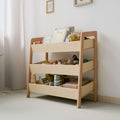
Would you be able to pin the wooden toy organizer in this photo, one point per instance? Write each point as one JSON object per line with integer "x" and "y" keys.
{"x": 74, "y": 70}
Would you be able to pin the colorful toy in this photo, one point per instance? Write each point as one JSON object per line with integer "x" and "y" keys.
{"x": 57, "y": 80}
{"x": 85, "y": 60}
{"x": 74, "y": 36}
{"x": 40, "y": 79}
{"x": 40, "y": 42}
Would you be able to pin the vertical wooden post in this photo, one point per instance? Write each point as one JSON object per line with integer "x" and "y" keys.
{"x": 95, "y": 68}
{"x": 29, "y": 73}
{"x": 46, "y": 57}
{"x": 80, "y": 72}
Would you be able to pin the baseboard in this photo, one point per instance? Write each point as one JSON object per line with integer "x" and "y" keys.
{"x": 107, "y": 99}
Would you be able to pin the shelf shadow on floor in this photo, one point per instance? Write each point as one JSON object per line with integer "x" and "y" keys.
{"x": 58, "y": 99}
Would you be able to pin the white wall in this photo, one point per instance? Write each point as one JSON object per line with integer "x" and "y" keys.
{"x": 102, "y": 15}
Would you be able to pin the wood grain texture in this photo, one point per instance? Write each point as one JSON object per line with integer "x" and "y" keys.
{"x": 88, "y": 88}
{"x": 54, "y": 90}
{"x": 80, "y": 71}
{"x": 61, "y": 69}
{"x": 95, "y": 68}
{"x": 89, "y": 33}
{"x": 61, "y": 91}
{"x": 62, "y": 47}
{"x": 47, "y": 2}
{"x": 29, "y": 73}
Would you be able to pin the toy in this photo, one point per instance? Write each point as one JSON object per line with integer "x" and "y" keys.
{"x": 34, "y": 77}
{"x": 51, "y": 83}
{"x": 75, "y": 60}
{"x": 85, "y": 60}
{"x": 57, "y": 80}
{"x": 40, "y": 79}
{"x": 66, "y": 79}
{"x": 40, "y": 42}
{"x": 64, "y": 60}
{"x": 59, "y": 62}
{"x": 69, "y": 61}
{"x": 33, "y": 43}
{"x": 52, "y": 61}
{"x": 74, "y": 37}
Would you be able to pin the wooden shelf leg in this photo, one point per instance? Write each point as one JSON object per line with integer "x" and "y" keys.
{"x": 95, "y": 69}
{"x": 46, "y": 57}
{"x": 80, "y": 72}
{"x": 79, "y": 94}
{"x": 29, "y": 72}
{"x": 28, "y": 92}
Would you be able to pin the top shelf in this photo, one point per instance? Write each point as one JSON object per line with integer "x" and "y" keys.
{"x": 62, "y": 47}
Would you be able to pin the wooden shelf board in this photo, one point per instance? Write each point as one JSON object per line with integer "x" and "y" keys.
{"x": 61, "y": 69}
{"x": 62, "y": 47}
{"x": 60, "y": 91}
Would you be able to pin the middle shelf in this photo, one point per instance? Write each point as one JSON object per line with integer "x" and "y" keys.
{"x": 61, "y": 69}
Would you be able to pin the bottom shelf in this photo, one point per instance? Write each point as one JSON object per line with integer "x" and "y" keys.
{"x": 61, "y": 91}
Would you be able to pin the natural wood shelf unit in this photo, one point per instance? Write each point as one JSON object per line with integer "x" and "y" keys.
{"x": 73, "y": 70}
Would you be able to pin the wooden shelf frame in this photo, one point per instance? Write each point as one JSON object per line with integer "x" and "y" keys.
{"x": 74, "y": 70}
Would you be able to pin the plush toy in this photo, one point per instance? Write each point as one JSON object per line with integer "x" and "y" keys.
{"x": 75, "y": 60}
{"x": 73, "y": 37}
{"x": 69, "y": 61}
{"x": 64, "y": 60}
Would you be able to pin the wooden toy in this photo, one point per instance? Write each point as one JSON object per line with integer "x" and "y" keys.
{"x": 34, "y": 77}
{"x": 64, "y": 60}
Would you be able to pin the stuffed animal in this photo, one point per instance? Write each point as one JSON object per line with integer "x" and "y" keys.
{"x": 75, "y": 60}
{"x": 74, "y": 37}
